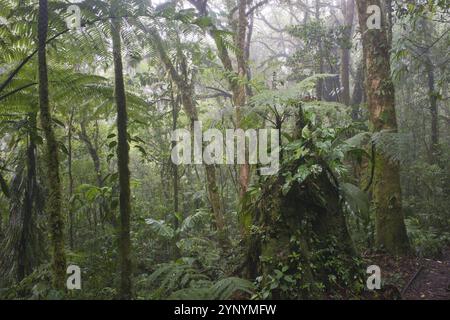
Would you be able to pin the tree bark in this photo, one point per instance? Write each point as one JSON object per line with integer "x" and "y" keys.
{"x": 348, "y": 9}
{"x": 239, "y": 92}
{"x": 69, "y": 160}
{"x": 238, "y": 88}
{"x": 92, "y": 152}
{"x": 433, "y": 111}
{"x": 432, "y": 94}
{"x": 320, "y": 82}
{"x": 175, "y": 111}
{"x": 52, "y": 161}
{"x": 358, "y": 87}
{"x": 123, "y": 161}
{"x": 301, "y": 214}
{"x": 389, "y": 219}
{"x": 25, "y": 253}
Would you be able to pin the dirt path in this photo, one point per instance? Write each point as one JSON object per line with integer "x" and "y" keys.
{"x": 412, "y": 278}
{"x": 432, "y": 282}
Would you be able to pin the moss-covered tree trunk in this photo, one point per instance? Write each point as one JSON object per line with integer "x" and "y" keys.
{"x": 123, "y": 161}
{"x": 348, "y": 10}
{"x": 175, "y": 113}
{"x": 185, "y": 86}
{"x": 302, "y": 230}
{"x": 320, "y": 66}
{"x": 51, "y": 159}
{"x": 432, "y": 92}
{"x": 358, "y": 90}
{"x": 433, "y": 111}
{"x": 26, "y": 253}
{"x": 239, "y": 89}
{"x": 70, "y": 176}
{"x": 389, "y": 224}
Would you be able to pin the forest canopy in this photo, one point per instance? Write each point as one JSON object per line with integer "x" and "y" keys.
{"x": 237, "y": 149}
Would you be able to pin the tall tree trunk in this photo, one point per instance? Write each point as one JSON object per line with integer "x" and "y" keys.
{"x": 52, "y": 161}
{"x": 175, "y": 111}
{"x": 123, "y": 161}
{"x": 358, "y": 86}
{"x": 186, "y": 89}
{"x": 239, "y": 92}
{"x": 25, "y": 252}
{"x": 301, "y": 214}
{"x": 389, "y": 219}
{"x": 238, "y": 88}
{"x": 105, "y": 212}
{"x": 92, "y": 152}
{"x": 69, "y": 160}
{"x": 210, "y": 170}
{"x": 432, "y": 94}
{"x": 348, "y": 9}
{"x": 320, "y": 82}
{"x": 433, "y": 110}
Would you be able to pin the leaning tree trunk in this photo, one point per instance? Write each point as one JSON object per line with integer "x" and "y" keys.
{"x": 186, "y": 89}
{"x": 210, "y": 170}
{"x": 123, "y": 161}
{"x": 239, "y": 87}
{"x": 389, "y": 219}
{"x": 52, "y": 161}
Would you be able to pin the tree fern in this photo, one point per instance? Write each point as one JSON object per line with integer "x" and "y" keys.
{"x": 179, "y": 280}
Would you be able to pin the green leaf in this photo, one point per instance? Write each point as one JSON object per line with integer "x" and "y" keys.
{"x": 161, "y": 228}
{"x": 112, "y": 144}
{"x": 142, "y": 150}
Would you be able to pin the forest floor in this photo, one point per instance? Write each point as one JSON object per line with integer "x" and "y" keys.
{"x": 414, "y": 278}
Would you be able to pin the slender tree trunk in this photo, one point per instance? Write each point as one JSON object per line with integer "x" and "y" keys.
{"x": 320, "y": 82}
{"x": 434, "y": 111}
{"x": 248, "y": 42}
{"x": 52, "y": 161}
{"x": 239, "y": 92}
{"x": 123, "y": 161}
{"x": 92, "y": 152}
{"x": 348, "y": 9}
{"x": 432, "y": 94}
{"x": 389, "y": 219}
{"x": 187, "y": 93}
{"x": 358, "y": 87}
{"x": 175, "y": 111}
{"x": 70, "y": 151}
{"x": 105, "y": 212}
{"x": 238, "y": 89}
{"x": 25, "y": 252}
